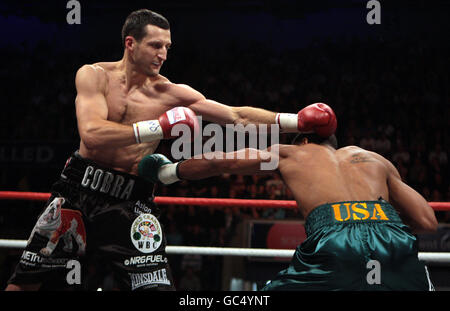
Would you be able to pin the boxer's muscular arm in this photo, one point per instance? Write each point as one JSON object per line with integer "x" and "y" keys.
{"x": 413, "y": 207}
{"x": 247, "y": 161}
{"x": 222, "y": 114}
{"x": 318, "y": 117}
{"x": 92, "y": 112}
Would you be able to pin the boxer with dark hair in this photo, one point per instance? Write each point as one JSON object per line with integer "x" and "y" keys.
{"x": 123, "y": 109}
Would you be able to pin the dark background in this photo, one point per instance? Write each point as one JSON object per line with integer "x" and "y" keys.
{"x": 387, "y": 83}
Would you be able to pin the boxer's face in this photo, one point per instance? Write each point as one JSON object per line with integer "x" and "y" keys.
{"x": 150, "y": 53}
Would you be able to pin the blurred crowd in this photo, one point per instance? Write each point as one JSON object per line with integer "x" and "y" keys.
{"x": 390, "y": 96}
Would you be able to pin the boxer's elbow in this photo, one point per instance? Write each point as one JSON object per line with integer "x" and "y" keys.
{"x": 429, "y": 224}
{"x": 429, "y": 221}
{"x": 240, "y": 116}
{"x": 89, "y": 134}
{"x": 425, "y": 225}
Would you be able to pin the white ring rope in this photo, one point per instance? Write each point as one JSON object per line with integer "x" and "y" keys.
{"x": 229, "y": 251}
{"x": 429, "y": 257}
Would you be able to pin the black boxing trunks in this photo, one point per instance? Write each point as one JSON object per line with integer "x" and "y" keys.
{"x": 97, "y": 210}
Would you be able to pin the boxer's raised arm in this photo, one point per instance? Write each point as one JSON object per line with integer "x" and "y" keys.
{"x": 92, "y": 112}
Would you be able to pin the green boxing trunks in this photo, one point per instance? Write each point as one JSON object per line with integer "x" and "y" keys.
{"x": 354, "y": 246}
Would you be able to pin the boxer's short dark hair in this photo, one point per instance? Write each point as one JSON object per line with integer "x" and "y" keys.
{"x": 135, "y": 23}
{"x": 316, "y": 139}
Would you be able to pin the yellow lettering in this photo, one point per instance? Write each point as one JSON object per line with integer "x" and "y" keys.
{"x": 357, "y": 212}
{"x": 337, "y": 211}
{"x": 364, "y": 212}
{"x": 348, "y": 211}
{"x": 378, "y": 210}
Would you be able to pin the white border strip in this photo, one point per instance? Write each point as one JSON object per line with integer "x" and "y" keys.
{"x": 429, "y": 257}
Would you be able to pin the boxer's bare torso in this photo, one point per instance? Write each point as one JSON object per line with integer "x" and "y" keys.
{"x": 107, "y": 105}
{"x": 111, "y": 96}
{"x": 126, "y": 106}
{"x": 318, "y": 174}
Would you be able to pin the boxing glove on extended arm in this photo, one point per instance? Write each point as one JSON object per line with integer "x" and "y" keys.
{"x": 318, "y": 118}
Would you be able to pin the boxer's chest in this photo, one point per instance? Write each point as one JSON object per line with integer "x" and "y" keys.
{"x": 139, "y": 104}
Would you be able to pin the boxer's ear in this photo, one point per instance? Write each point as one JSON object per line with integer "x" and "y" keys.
{"x": 129, "y": 42}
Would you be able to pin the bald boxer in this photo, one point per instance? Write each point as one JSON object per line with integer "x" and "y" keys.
{"x": 124, "y": 109}
{"x": 358, "y": 212}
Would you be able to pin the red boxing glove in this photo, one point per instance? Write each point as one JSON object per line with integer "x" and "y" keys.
{"x": 151, "y": 130}
{"x": 178, "y": 115}
{"x": 318, "y": 118}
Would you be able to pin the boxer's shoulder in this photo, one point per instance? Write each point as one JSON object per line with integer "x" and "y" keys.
{"x": 100, "y": 69}
{"x": 356, "y": 155}
{"x": 281, "y": 149}
{"x": 350, "y": 149}
{"x": 180, "y": 92}
{"x": 94, "y": 74}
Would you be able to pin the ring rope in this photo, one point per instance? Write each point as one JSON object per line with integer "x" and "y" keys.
{"x": 429, "y": 257}
{"x": 41, "y": 196}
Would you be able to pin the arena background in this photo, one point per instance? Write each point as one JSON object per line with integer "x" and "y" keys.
{"x": 388, "y": 84}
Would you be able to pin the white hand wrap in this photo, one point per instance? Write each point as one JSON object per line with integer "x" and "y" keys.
{"x": 168, "y": 174}
{"x": 288, "y": 122}
{"x": 147, "y": 131}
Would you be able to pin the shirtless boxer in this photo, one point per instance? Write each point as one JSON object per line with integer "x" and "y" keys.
{"x": 356, "y": 207}
{"x": 123, "y": 110}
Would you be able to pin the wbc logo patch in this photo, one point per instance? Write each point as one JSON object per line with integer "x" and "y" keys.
{"x": 146, "y": 233}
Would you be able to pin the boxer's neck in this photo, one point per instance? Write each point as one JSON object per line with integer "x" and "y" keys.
{"x": 134, "y": 78}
